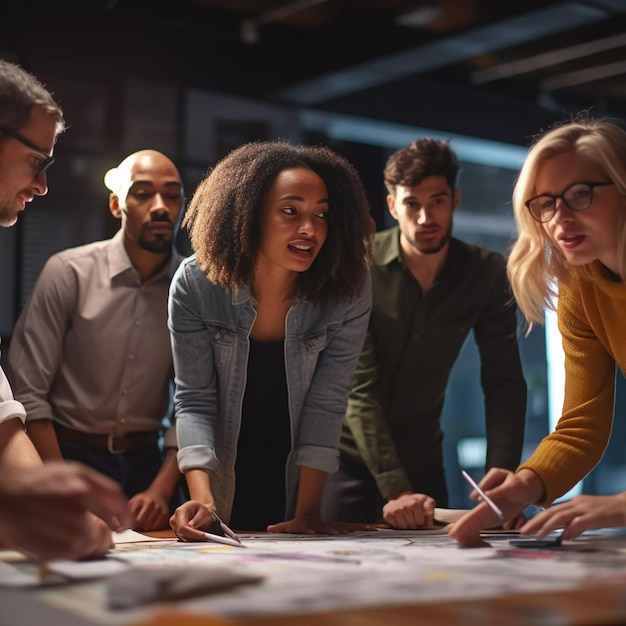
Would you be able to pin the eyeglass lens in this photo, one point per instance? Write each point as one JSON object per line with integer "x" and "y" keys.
{"x": 44, "y": 163}
{"x": 577, "y": 197}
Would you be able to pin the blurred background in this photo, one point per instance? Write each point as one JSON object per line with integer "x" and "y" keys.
{"x": 195, "y": 78}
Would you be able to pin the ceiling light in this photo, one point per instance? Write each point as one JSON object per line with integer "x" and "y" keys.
{"x": 425, "y": 14}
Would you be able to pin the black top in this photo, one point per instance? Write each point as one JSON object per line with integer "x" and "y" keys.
{"x": 264, "y": 441}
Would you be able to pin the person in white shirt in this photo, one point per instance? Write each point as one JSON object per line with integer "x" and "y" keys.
{"x": 55, "y": 510}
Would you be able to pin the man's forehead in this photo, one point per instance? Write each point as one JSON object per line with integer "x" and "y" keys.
{"x": 433, "y": 185}
{"x": 139, "y": 167}
{"x": 141, "y": 180}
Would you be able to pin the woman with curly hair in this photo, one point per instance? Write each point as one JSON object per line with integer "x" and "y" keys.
{"x": 267, "y": 318}
{"x": 570, "y": 209}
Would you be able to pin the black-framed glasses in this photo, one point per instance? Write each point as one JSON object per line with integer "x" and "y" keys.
{"x": 576, "y": 197}
{"x": 45, "y": 163}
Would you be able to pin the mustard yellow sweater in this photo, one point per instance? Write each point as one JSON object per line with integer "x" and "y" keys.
{"x": 592, "y": 321}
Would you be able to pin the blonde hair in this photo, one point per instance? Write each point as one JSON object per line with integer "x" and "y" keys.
{"x": 535, "y": 264}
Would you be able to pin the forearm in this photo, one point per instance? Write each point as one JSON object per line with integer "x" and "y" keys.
{"x": 535, "y": 490}
{"x": 44, "y": 438}
{"x": 200, "y": 487}
{"x": 310, "y": 490}
{"x": 366, "y": 423}
{"x": 505, "y": 436}
{"x": 505, "y": 393}
{"x": 16, "y": 449}
{"x": 376, "y": 448}
{"x": 166, "y": 480}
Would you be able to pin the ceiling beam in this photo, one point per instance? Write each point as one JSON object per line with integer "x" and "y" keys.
{"x": 581, "y": 77}
{"x": 442, "y": 52}
{"x": 547, "y": 59}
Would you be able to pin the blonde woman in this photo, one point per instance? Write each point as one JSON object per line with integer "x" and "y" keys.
{"x": 570, "y": 210}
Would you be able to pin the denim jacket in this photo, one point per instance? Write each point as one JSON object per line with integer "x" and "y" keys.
{"x": 210, "y": 328}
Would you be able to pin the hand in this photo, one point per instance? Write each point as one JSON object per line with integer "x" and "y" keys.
{"x": 100, "y": 540}
{"x": 511, "y": 493}
{"x": 149, "y": 511}
{"x": 190, "y": 520}
{"x": 579, "y": 514}
{"x": 410, "y": 510}
{"x": 315, "y": 525}
{"x": 60, "y": 510}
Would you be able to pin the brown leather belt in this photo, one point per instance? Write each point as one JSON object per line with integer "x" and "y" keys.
{"x": 115, "y": 445}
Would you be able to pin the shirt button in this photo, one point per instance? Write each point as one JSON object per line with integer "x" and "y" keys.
{"x": 137, "y": 323}
{"x": 131, "y": 356}
{"x": 124, "y": 392}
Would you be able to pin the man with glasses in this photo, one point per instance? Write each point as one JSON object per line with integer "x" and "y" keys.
{"x": 430, "y": 290}
{"x": 44, "y": 162}
{"x": 48, "y": 511}
{"x": 30, "y": 123}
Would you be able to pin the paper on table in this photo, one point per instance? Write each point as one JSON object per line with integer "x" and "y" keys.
{"x": 86, "y": 570}
{"x": 11, "y": 576}
{"x": 449, "y": 516}
{"x": 131, "y": 536}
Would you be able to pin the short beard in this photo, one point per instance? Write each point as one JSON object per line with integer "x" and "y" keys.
{"x": 442, "y": 244}
{"x": 159, "y": 246}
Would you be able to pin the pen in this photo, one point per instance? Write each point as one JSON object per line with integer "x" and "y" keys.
{"x": 223, "y": 539}
{"x": 233, "y": 540}
{"x": 484, "y": 497}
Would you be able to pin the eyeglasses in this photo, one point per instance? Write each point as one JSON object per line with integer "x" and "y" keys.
{"x": 576, "y": 197}
{"x": 45, "y": 163}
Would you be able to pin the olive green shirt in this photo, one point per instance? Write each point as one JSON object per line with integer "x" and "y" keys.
{"x": 393, "y": 416}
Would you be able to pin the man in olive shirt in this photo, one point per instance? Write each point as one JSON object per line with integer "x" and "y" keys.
{"x": 430, "y": 290}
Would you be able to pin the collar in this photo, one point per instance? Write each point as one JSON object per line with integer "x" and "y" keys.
{"x": 604, "y": 283}
{"x": 119, "y": 261}
{"x": 241, "y": 295}
{"x": 388, "y": 252}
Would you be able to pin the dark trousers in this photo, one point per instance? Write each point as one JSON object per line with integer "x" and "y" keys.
{"x": 134, "y": 471}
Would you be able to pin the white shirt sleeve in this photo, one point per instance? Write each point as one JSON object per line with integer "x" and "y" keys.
{"x": 9, "y": 408}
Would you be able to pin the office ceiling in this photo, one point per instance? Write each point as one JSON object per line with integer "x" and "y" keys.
{"x": 381, "y": 57}
{"x": 324, "y": 49}
{"x": 437, "y": 63}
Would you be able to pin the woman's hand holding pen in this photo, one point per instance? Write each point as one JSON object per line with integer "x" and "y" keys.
{"x": 190, "y": 521}
{"x": 512, "y": 492}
